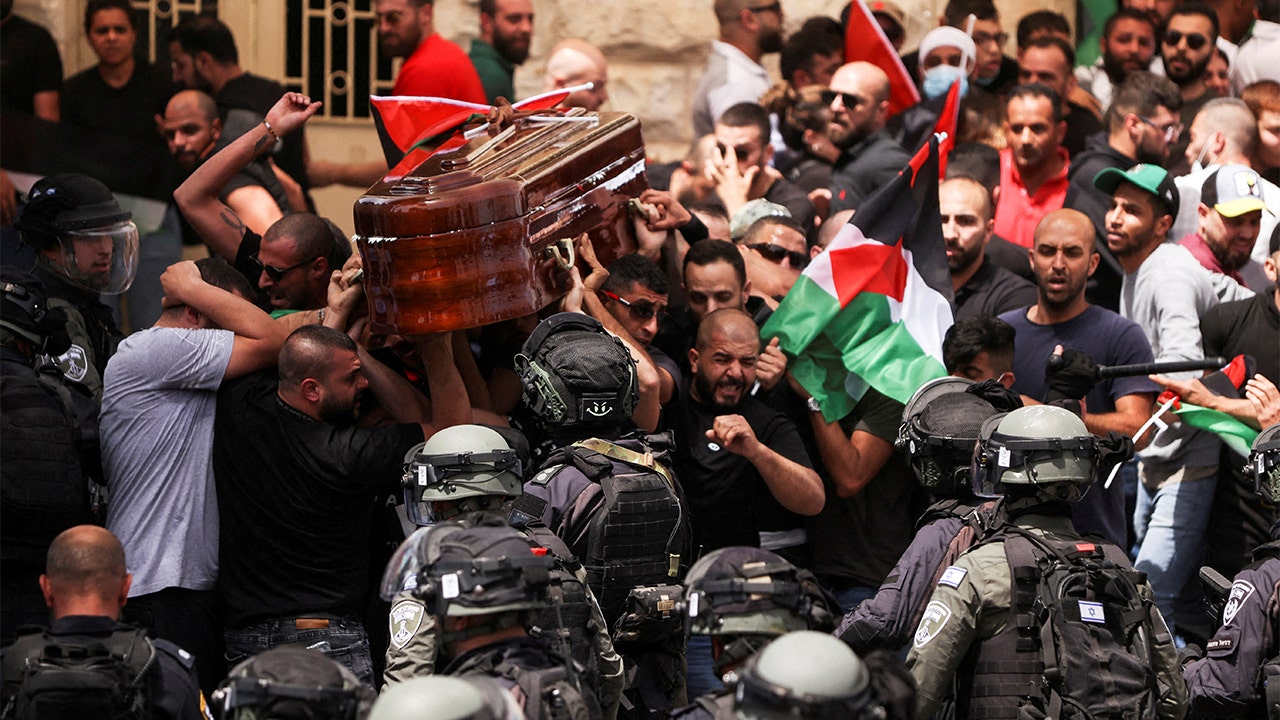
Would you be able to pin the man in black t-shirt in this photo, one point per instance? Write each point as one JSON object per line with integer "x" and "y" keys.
{"x": 297, "y": 479}
{"x": 746, "y": 474}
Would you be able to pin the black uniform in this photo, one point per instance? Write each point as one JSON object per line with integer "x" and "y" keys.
{"x": 1227, "y": 681}
{"x": 173, "y": 691}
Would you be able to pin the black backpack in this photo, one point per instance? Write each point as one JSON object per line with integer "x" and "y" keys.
{"x": 60, "y": 678}
{"x": 550, "y": 691}
{"x": 640, "y": 534}
{"x": 1077, "y": 603}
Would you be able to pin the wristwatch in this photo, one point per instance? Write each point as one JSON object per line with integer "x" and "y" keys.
{"x": 812, "y": 404}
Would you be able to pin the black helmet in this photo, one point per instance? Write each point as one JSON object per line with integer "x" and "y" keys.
{"x": 79, "y": 217}
{"x": 1264, "y": 463}
{"x": 807, "y": 675}
{"x": 752, "y": 595}
{"x": 482, "y": 570}
{"x": 289, "y": 682}
{"x": 939, "y": 430}
{"x": 576, "y": 376}
{"x": 25, "y": 312}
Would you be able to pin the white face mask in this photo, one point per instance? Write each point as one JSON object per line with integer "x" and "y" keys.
{"x": 1199, "y": 165}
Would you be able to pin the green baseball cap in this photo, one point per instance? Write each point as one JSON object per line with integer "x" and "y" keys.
{"x": 1233, "y": 190}
{"x": 1151, "y": 178}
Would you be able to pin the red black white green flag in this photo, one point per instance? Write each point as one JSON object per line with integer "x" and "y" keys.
{"x": 872, "y": 310}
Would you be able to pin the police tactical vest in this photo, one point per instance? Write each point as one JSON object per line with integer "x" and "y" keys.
{"x": 43, "y": 487}
{"x": 57, "y": 678}
{"x": 568, "y": 624}
{"x": 640, "y": 534}
{"x": 1078, "y": 643}
{"x": 1269, "y": 673}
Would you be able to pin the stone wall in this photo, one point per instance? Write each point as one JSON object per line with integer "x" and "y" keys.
{"x": 656, "y": 50}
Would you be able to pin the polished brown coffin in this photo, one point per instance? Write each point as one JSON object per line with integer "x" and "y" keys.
{"x": 481, "y": 232}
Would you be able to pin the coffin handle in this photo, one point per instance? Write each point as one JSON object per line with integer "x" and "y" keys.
{"x": 554, "y": 251}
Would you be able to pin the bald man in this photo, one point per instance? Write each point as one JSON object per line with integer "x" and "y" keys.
{"x": 869, "y": 157}
{"x": 576, "y": 62}
{"x": 85, "y": 585}
{"x": 746, "y": 474}
{"x": 1063, "y": 256}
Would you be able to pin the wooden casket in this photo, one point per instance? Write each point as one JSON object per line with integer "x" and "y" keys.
{"x": 482, "y": 230}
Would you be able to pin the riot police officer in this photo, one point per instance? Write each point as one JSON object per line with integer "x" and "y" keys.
{"x": 805, "y": 674}
{"x": 291, "y": 682}
{"x": 1239, "y": 674}
{"x": 446, "y": 698}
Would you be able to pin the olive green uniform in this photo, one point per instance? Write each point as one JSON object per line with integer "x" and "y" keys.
{"x": 976, "y": 607}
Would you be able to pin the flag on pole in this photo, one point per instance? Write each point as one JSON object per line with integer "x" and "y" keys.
{"x": 865, "y": 40}
{"x": 872, "y": 310}
{"x": 406, "y": 124}
{"x": 1238, "y": 436}
{"x": 946, "y": 126}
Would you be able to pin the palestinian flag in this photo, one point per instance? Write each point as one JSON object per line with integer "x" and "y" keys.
{"x": 410, "y": 127}
{"x": 871, "y": 311}
{"x": 865, "y": 40}
{"x": 946, "y": 127}
{"x": 1237, "y": 436}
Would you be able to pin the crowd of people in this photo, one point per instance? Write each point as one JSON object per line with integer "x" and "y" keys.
{"x": 629, "y": 505}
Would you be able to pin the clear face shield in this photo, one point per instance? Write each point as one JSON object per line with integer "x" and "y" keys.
{"x": 429, "y": 479}
{"x": 104, "y": 259}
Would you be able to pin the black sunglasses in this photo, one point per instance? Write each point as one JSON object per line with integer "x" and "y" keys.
{"x": 776, "y": 253}
{"x": 277, "y": 274}
{"x": 742, "y": 153}
{"x": 849, "y": 100}
{"x": 1195, "y": 41}
{"x": 773, "y": 7}
{"x": 641, "y": 311}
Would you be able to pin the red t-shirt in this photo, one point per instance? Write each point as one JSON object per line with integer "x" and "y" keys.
{"x": 1019, "y": 211}
{"x": 439, "y": 68}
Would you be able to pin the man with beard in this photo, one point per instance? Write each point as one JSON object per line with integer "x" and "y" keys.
{"x": 1033, "y": 169}
{"x": 1048, "y": 60}
{"x": 748, "y": 31}
{"x": 1128, "y": 45}
{"x": 1166, "y": 292}
{"x": 297, "y": 477}
{"x": 1230, "y": 214}
{"x": 1142, "y": 119}
{"x": 743, "y": 466}
{"x": 869, "y": 157}
{"x": 506, "y": 27}
{"x": 981, "y": 288}
{"x": 1185, "y": 49}
{"x": 1063, "y": 257}
{"x": 740, "y": 170}
{"x": 192, "y": 129}
{"x": 162, "y": 384}
{"x": 1224, "y": 132}
{"x": 433, "y": 66}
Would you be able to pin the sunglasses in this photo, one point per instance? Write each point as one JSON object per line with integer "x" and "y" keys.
{"x": 742, "y": 153}
{"x": 1171, "y": 131}
{"x": 1195, "y": 41}
{"x": 849, "y": 100}
{"x": 277, "y": 274}
{"x": 776, "y": 253}
{"x": 987, "y": 38}
{"x": 772, "y": 7}
{"x": 641, "y": 311}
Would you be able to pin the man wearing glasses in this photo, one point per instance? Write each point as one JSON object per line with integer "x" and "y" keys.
{"x": 749, "y": 29}
{"x": 635, "y": 294}
{"x": 869, "y": 157}
{"x": 1185, "y": 50}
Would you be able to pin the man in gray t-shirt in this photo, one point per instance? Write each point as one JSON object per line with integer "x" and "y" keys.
{"x": 157, "y": 438}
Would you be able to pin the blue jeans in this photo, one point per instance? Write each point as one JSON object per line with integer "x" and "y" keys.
{"x": 850, "y": 597}
{"x": 1170, "y": 524}
{"x": 701, "y": 674}
{"x": 344, "y": 641}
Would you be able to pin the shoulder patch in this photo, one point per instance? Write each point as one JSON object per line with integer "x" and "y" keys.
{"x": 1240, "y": 592}
{"x": 406, "y": 618}
{"x": 935, "y": 618}
{"x": 952, "y": 576}
{"x": 74, "y": 363}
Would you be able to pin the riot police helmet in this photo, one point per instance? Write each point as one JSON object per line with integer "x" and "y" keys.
{"x": 288, "y": 682}
{"x": 81, "y": 232}
{"x": 809, "y": 675}
{"x": 463, "y": 468}
{"x": 1264, "y": 463}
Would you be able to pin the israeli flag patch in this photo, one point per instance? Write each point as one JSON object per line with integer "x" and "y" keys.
{"x": 1092, "y": 612}
{"x": 952, "y": 576}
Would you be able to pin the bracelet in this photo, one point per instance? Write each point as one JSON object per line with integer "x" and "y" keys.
{"x": 320, "y": 314}
{"x": 271, "y": 130}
